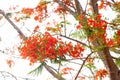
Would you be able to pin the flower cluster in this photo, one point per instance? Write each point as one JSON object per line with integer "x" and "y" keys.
{"x": 101, "y": 73}
{"x": 28, "y": 11}
{"x": 59, "y": 9}
{"x": 40, "y": 11}
{"x": 39, "y": 48}
{"x": 66, "y": 70}
{"x": 103, "y": 4}
{"x": 97, "y": 23}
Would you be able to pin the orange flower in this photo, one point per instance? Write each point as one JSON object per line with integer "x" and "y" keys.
{"x": 81, "y": 77}
{"x": 60, "y": 9}
{"x": 89, "y": 60}
{"x": 103, "y": 4}
{"x": 110, "y": 43}
{"x": 78, "y": 26}
{"x": 16, "y": 19}
{"x": 66, "y": 70}
{"x": 81, "y": 17}
{"x": 27, "y": 11}
{"x": 10, "y": 62}
{"x": 101, "y": 73}
{"x": 36, "y": 18}
{"x": 118, "y": 32}
{"x": 36, "y": 29}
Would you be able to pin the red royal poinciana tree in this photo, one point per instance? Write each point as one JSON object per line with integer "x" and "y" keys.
{"x": 61, "y": 42}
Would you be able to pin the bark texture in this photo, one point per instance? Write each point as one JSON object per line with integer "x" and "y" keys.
{"x": 105, "y": 52}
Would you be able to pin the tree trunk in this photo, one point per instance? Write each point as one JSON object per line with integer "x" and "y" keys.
{"x": 105, "y": 53}
{"x": 108, "y": 62}
{"x": 110, "y": 65}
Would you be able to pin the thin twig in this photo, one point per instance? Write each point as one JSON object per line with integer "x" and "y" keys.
{"x": 82, "y": 65}
{"x": 74, "y": 40}
{"x": 86, "y": 6}
{"x": 91, "y": 72}
{"x": 8, "y": 73}
{"x": 64, "y": 24}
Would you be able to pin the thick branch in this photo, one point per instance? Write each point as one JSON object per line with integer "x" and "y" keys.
{"x": 15, "y": 27}
{"x": 78, "y": 7}
{"x": 94, "y": 6}
{"x": 111, "y": 65}
{"x": 65, "y": 7}
{"x": 105, "y": 53}
{"x": 59, "y": 77}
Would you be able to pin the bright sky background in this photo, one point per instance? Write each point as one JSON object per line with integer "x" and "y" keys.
{"x": 9, "y": 38}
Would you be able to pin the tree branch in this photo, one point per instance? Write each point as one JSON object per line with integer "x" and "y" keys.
{"x": 105, "y": 53}
{"x": 7, "y": 75}
{"x": 78, "y": 7}
{"x": 94, "y": 6}
{"x": 74, "y": 40}
{"x": 59, "y": 77}
{"x": 65, "y": 7}
{"x": 15, "y": 27}
{"x": 82, "y": 65}
{"x": 113, "y": 69}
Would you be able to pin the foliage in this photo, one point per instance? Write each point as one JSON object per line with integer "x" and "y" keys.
{"x": 89, "y": 40}
{"x": 37, "y": 70}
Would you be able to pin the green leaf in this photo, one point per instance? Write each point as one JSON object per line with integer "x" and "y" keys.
{"x": 116, "y": 7}
{"x": 78, "y": 34}
{"x": 37, "y": 70}
{"x": 43, "y": 2}
{"x": 63, "y": 23}
{"x": 98, "y": 48}
{"x": 90, "y": 65}
{"x": 117, "y": 62}
{"x": 117, "y": 19}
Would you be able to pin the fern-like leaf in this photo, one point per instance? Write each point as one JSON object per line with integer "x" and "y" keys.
{"x": 37, "y": 70}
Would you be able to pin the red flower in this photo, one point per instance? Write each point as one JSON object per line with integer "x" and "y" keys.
{"x": 99, "y": 16}
{"x": 28, "y": 11}
{"x": 16, "y": 19}
{"x": 36, "y": 28}
{"x": 118, "y": 32}
{"x": 36, "y": 18}
{"x": 66, "y": 70}
{"x": 110, "y": 43}
{"x": 75, "y": 54}
{"x": 78, "y": 26}
{"x": 10, "y": 62}
{"x": 101, "y": 73}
